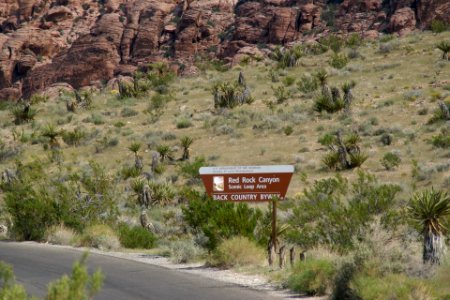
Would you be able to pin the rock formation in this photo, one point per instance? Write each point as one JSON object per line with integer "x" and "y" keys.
{"x": 84, "y": 42}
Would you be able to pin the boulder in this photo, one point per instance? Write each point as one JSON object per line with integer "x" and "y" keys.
{"x": 402, "y": 21}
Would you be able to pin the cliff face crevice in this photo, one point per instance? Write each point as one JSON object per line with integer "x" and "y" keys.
{"x": 82, "y": 42}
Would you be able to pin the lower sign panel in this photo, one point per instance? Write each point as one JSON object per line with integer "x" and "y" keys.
{"x": 255, "y": 183}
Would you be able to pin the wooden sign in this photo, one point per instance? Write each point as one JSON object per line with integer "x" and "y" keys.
{"x": 247, "y": 183}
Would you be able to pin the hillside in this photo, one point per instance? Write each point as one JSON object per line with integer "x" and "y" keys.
{"x": 84, "y": 42}
{"x": 364, "y": 122}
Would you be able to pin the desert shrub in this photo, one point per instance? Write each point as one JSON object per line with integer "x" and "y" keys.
{"x": 23, "y": 113}
{"x": 74, "y": 137}
{"x": 441, "y": 113}
{"x": 136, "y": 237}
{"x": 385, "y": 48}
{"x": 160, "y": 76}
{"x": 438, "y": 26}
{"x": 130, "y": 172}
{"x": 412, "y": 95}
{"x": 79, "y": 285}
{"x": 288, "y": 80}
{"x": 390, "y": 161}
{"x": 344, "y": 152}
{"x": 392, "y": 286}
{"x": 62, "y": 235}
{"x": 333, "y": 42}
{"x": 237, "y": 252}
{"x": 184, "y": 251}
{"x": 288, "y": 130}
{"x": 281, "y": 94}
{"x": 190, "y": 170}
{"x": 342, "y": 283}
{"x": 158, "y": 102}
{"x": 442, "y": 140}
{"x": 230, "y": 94}
{"x": 326, "y": 103}
{"x": 307, "y": 84}
{"x": 128, "y": 112}
{"x": 32, "y": 211}
{"x": 101, "y": 237}
{"x": 184, "y": 122}
{"x": 38, "y": 98}
{"x": 7, "y": 152}
{"x": 312, "y": 277}
{"x": 287, "y": 58}
{"x": 219, "y": 220}
{"x": 162, "y": 193}
{"x": 338, "y": 60}
{"x": 95, "y": 118}
{"x": 331, "y": 212}
{"x": 354, "y": 40}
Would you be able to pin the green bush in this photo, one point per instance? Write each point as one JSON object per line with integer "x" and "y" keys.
{"x": 334, "y": 213}
{"x": 390, "y": 161}
{"x": 79, "y": 285}
{"x": 338, "y": 60}
{"x": 237, "y": 252}
{"x": 307, "y": 84}
{"x": 281, "y": 94}
{"x": 74, "y": 137}
{"x": 32, "y": 211}
{"x": 442, "y": 140}
{"x": 438, "y": 26}
{"x": 136, "y": 237}
{"x": 312, "y": 277}
{"x": 392, "y": 286}
{"x": 219, "y": 220}
{"x": 190, "y": 169}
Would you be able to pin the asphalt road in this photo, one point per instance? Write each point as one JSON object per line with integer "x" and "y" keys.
{"x": 35, "y": 266}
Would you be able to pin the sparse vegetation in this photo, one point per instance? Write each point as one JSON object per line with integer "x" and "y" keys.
{"x": 149, "y": 146}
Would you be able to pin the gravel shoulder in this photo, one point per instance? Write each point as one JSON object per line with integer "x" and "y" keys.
{"x": 255, "y": 282}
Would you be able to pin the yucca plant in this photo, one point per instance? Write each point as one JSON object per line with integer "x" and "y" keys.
{"x": 164, "y": 151}
{"x": 135, "y": 147}
{"x": 321, "y": 76}
{"x": 51, "y": 133}
{"x": 429, "y": 210}
{"x": 287, "y": 58}
{"x": 325, "y": 102}
{"x": 162, "y": 193}
{"x": 23, "y": 113}
{"x": 444, "y": 46}
{"x": 345, "y": 152}
{"x": 186, "y": 143}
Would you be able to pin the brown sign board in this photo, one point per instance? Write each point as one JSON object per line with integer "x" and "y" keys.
{"x": 247, "y": 183}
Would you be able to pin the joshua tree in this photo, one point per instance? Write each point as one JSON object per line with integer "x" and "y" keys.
{"x": 348, "y": 96}
{"x": 344, "y": 152}
{"x": 429, "y": 209}
{"x": 135, "y": 147}
{"x": 186, "y": 143}
{"x": 164, "y": 152}
{"x": 51, "y": 133}
{"x": 444, "y": 46}
{"x": 241, "y": 79}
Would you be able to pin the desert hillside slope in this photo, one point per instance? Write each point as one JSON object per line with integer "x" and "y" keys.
{"x": 85, "y": 42}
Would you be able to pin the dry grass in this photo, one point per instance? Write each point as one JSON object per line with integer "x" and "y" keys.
{"x": 61, "y": 235}
{"x": 101, "y": 237}
{"x": 238, "y": 252}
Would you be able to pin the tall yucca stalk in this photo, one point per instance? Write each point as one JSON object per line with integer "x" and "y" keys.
{"x": 429, "y": 209}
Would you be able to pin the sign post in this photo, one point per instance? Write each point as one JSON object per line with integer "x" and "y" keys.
{"x": 249, "y": 184}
